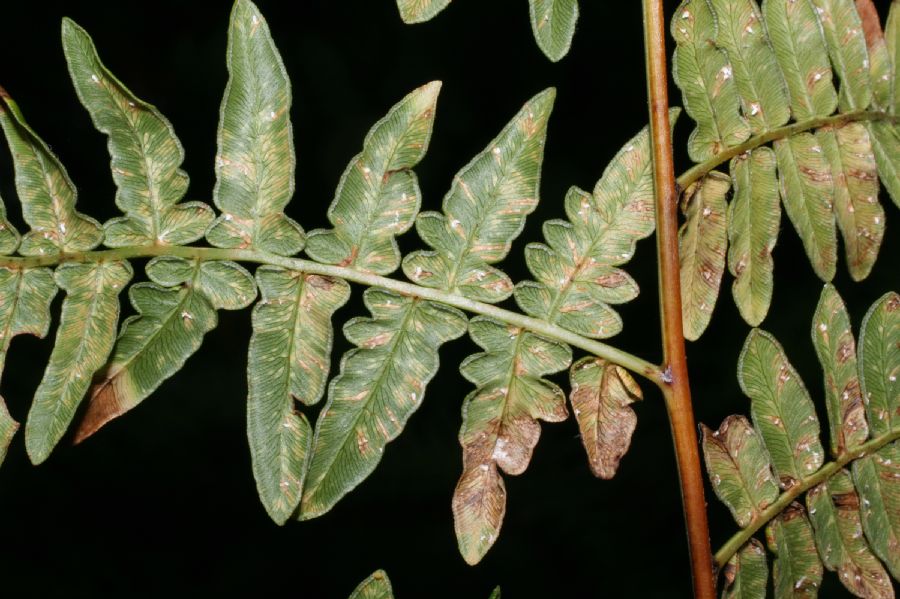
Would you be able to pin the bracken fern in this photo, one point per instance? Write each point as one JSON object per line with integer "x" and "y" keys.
{"x": 750, "y": 76}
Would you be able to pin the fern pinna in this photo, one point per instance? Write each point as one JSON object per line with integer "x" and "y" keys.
{"x": 759, "y": 470}
{"x": 750, "y": 75}
{"x": 302, "y": 470}
{"x": 753, "y": 76}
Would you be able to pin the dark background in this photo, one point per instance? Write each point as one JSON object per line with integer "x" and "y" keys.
{"x": 163, "y": 499}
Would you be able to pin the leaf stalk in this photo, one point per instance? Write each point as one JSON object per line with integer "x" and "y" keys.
{"x": 676, "y": 388}
{"x": 698, "y": 171}
{"x": 541, "y": 327}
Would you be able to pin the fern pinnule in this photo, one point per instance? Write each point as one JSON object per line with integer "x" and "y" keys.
{"x": 255, "y": 158}
{"x": 485, "y": 210}
{"x": 701, "y": 248}
{"x": 84, "y": 339}
{"x": 288, "y": 360}
{"x": 146, "y": 155}
{"x": 45, "y": 191}
{"x": 378, "y": 196}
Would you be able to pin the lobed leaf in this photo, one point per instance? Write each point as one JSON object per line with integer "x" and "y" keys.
{"x": 781, "y": 408}
{"x": 289, "y": 358}
{"x": 553, "y": 24}
{"x": 419, "y": 11}
{"x": 378, "y": 195}
{"x": 801, "y": 53}
{"x": 846, "y": 44}
{"x": 83, "y": 341}
{"x": 25, "y": 297}
{"x": 376, "y": 586}
{"x": 836, "y": 349}
{"x": 381, "y": 383}
{"x": 754, "y": 217}
{"x": 807, "y": 188}
{"x": 746, "y": 573}
{"x": 705, "y": 77}
{"x": 174, "y": 312}
{"x": 146, "y": 155}
{"x": 45, "y": 191}
{"x": 485, "y": 210}
{"x": 739, "y": 468}
{"x": 877, "y": 479}
{"x": 702, "y": 240}
{"x": 797, "y": 571}
{"x": 255, "y": 159}
{"x": 879, "y": 364}
{"x": 834, "y": 508}
{"x": 740, "y": 31}
{"x": 575, "y": 271}
{"x": 500, "y": 423}
{"x": 601, "y": 397}
{"x": 859, "y": 216}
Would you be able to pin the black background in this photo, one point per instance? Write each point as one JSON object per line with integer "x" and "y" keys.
{"x": 163, "y": 499}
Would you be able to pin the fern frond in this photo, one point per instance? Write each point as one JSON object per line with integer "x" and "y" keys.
{"x": 378, "y": 196}
{"x": 500, "y": 423}
{"x": 255, "y": 158}
{"x": 83, "y": 341}
{"x": 485, "y": 210}
{"x": 146, "y": 155}
{"x": 576, "y": 270}
{"x": 380, "y": 385}
{"x": 174, "y": 312}
{"x": 553, "y": 24}
{"x": 764, "y": 66}
{"x": 376, "y": 586}
{"x": 702, "y": 240}
{"x": 289, "y": 357}
{"x": 419, "y": 11}
{"x": 47, "y": 194}
{"x": 852, "y": 522}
